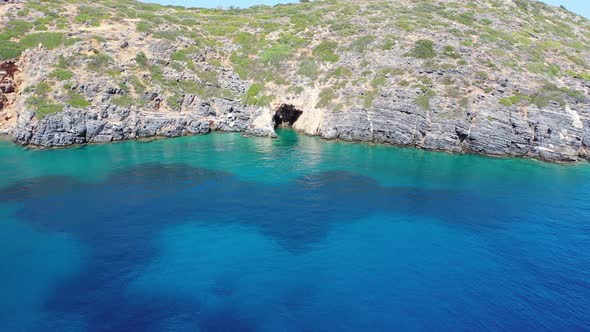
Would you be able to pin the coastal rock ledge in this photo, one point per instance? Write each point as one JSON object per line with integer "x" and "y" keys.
{"x": 458, "y": 76}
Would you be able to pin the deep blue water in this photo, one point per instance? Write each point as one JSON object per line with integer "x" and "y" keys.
{"x": 225, "y": 233}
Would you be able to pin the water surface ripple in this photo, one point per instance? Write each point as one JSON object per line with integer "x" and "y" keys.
{"x": 225, "y": 233}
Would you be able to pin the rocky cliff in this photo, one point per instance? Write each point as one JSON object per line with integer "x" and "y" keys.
{"x": 496, "y": 77}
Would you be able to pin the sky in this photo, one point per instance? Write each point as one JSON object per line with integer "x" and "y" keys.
{"x": 581, "y": 7}
{"x": 219, "y": 3}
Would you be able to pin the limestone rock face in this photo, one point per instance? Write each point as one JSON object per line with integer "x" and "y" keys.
{"x": 548, "y": 134}
{"x": 113, "y": 123}
{"x": 8, "y": 86}
{"x": 502, "y": 78}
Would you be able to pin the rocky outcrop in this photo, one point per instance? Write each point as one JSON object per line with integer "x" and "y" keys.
{"x": 8, "y": 85}
{"x": 114, "y": 123}
{"x": 550, "y": 133}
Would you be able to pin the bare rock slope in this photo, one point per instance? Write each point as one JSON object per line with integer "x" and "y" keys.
{"x": 496, "y": 77}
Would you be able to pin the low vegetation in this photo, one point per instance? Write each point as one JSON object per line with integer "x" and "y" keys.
{"x": 423, "y": 49}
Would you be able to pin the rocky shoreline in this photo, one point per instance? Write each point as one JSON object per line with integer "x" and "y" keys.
{"x": 114, "y": 124}
{"x": 75, "y": 127}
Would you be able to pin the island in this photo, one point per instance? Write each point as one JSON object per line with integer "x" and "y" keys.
{"x": 494, "y": 77}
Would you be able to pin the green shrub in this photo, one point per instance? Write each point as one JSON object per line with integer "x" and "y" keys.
{"x": 190, "y": 64}
{"x": 46, "y": 109}
{"x": 147, "y": 16}
{"x": 170, "y": 35}
{"x": 123, "y": 101}
{"x": 221, "y": 30}
{"x": 71, "y": 41}
{"x": 49, "y": 40}
{"x": 137, "y": 84}
{"x": 215, "y": 62}
{"x": 423, "y": 101}
{"x": 253, "y": 97}
{"x": 506, "y": 102}
{"x": 42, "y": 89}
{"x": 173, "y": 102}
{"x": 387, "y": 45}
{"x": 405, "y": 23}
{"x": 179, "y": 56}
{"x": 40, "y": 27}
{"x": 17, "y": 28}
{"x": 243, "y": 65}
{"x": 254, "y": 90}
{"x": 338, "y": 108}
{"x": 142, "y": 26}
{"x": 515, "y": 100}
{"x": 344, "y": 28}
{"x": 295, "y": 90}
{"x": 481, "y": 75}
{"x": 448, "y": 80}
{"x": 554, "y": 70}
{"x": 378, "y": 81}
{"x": 464, "y": 102}
{"x": 369, "y": 98}
{"x": 191, "y": 87}
{"x": 209, "y": 76}
{"x": 63, "y": 63}
{"x": 545, "y": 95}
{"x": 99, "y": 39}
{"x": 325, "y": 97}
{"x": 141, "y": 59}
{"x": 9, "y": 50}
{"x": 42, "y": 107}
{"x": 23, "y": 12}
{"x": 244, "y": 39}
{"x": 360, "y": 44}
{"x": 294, "y": 41}
{"x": 450, "y": 52}
{"x": 124, "y": 87}
{"x": 62, "y": 23}
{"x": 325, "y": 51}
{"x": 91, "y": 15}
{"x": 340, "y": 72}
{"x": 542, "y": 100}
{"x": 582, "y": 76}
{"x": 77, "y": 100}
{"x": 425, "y": 79}
{"x": 157, "y": 74}
{"x": 423, "y": 49}
{"x": 536, "y": 67}
{"x": 275, "y": 54}
{"x": 309, "y": 68}
{"x": 61, "y": 74}
{"x": 100, "y": 62}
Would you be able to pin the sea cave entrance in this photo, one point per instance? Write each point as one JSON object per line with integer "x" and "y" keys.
{"x": 285, "y": 116}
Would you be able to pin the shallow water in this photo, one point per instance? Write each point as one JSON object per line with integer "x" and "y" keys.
{"x": 225, "y": 233}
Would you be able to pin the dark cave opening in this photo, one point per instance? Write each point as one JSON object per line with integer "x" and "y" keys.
{"x": 285, "y": 116}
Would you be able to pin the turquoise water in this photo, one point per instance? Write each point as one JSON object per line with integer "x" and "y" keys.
{"x": 226, "y": 233}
